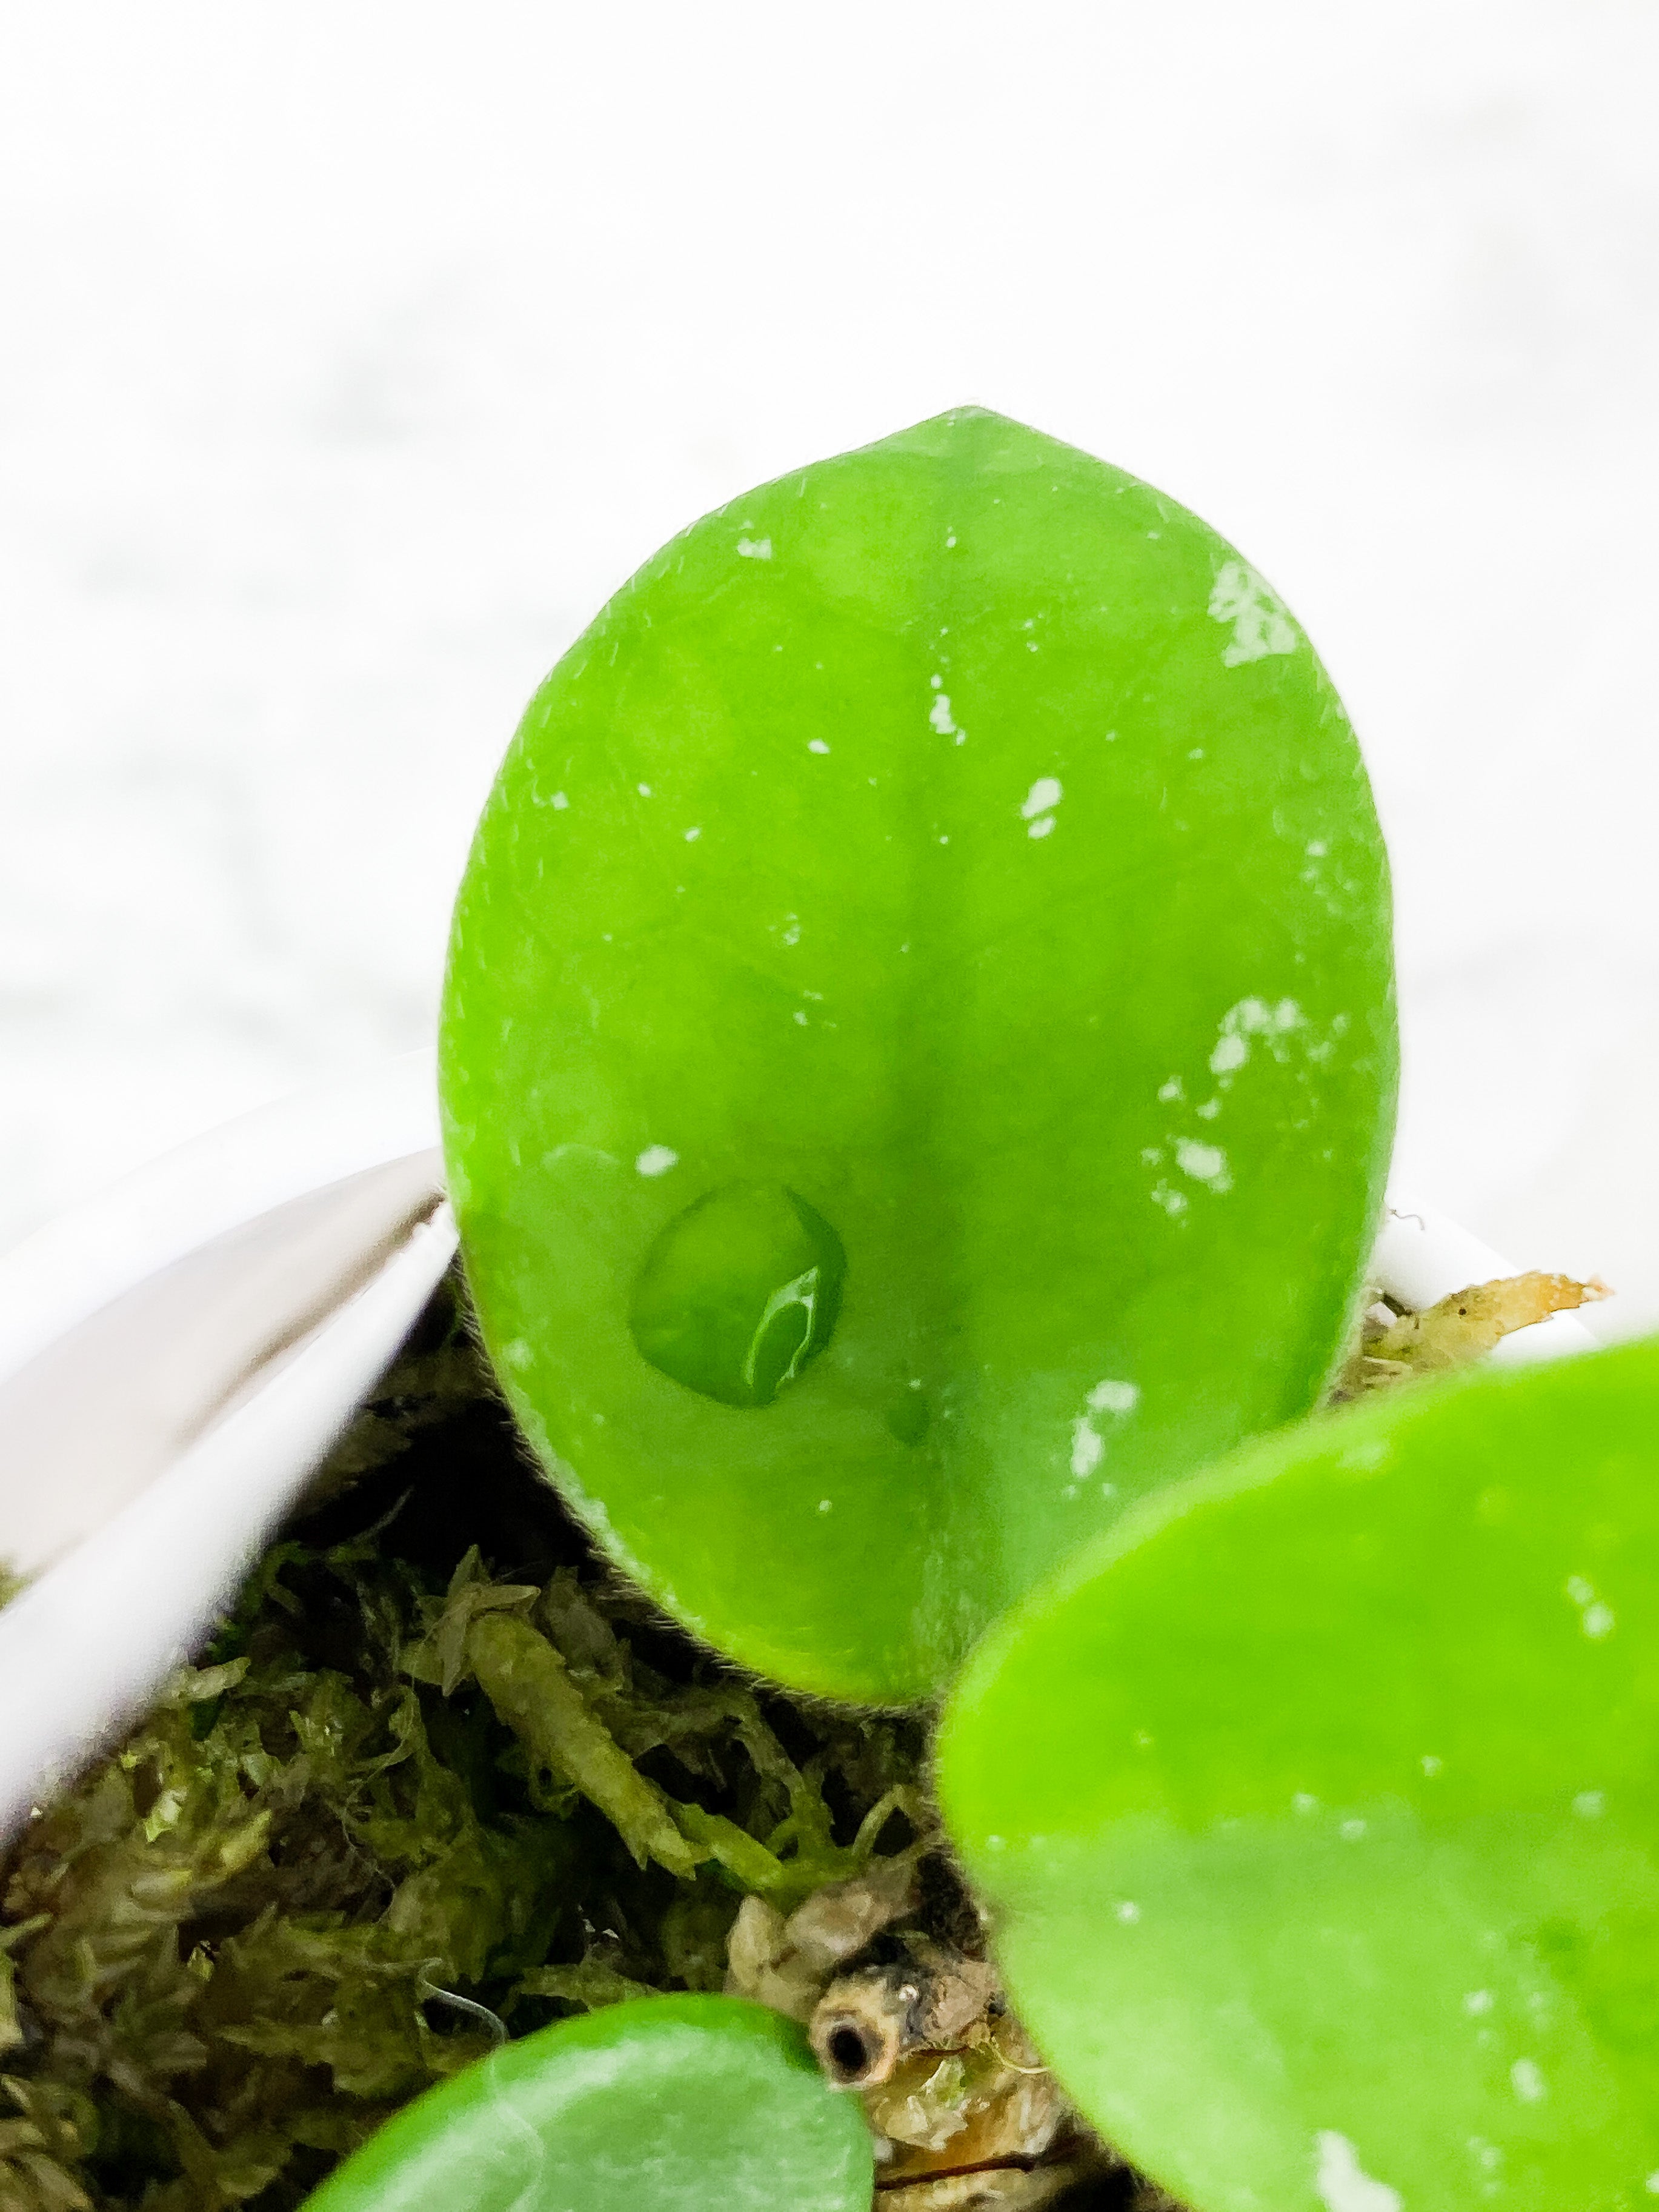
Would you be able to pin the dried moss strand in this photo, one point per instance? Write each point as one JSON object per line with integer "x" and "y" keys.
{"x": 748, "y": 1862}
{"x": 530, "y": 1686}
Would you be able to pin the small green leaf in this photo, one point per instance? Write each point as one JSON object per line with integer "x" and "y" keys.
{"x": 675, "y": 2105}
{"x": 918, "y": 1052}
{"x": 1320, "y": 1808}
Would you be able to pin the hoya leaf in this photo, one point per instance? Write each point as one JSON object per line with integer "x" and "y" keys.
{"x": 918, "y": 1052}
{"x": 692, "y": 2104}
{"x": 1319, "y": 1808}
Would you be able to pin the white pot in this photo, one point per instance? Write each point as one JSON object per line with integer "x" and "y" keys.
{"x": 175, "y": 1358}
{"x": 178, "y": 1356}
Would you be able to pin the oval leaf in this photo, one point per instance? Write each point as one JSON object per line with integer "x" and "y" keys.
{"x": 917, "y": 1050}
{"x": 675, "y": 2105}
{"x": 1320, "y": 1809}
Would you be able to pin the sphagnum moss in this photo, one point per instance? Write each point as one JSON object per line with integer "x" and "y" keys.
{"x": 441, "y": 1776}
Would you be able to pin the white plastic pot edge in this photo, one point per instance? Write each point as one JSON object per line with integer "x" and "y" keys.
{"x": 218, "y": 1182}
{"x": 95, "y": 1636}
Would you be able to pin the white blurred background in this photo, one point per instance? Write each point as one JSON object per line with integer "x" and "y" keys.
{"x": 352, "y": 351}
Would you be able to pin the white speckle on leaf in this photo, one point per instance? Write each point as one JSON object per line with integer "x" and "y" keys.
{"x": 1205, "y": 1163}
{"x": 1528, "y": 2083}
{"x": 692, "y": 836}
{"x": 1595, "y": 1619}
{"x": 1041, "y": 827}
{"x": 1317, "y": 849}
{"x": 1208, "y": 1110}
{"x": 1173, "y": 1201}
{"x": 643, "y": 789}
{"x": 1351, "y": 1830}
{"x": 1113, "y": 1396}
{"x": 1478, "y": 2001}
{"x": 825, "y": 1504}
{"x": 1261, "y": 621}
{"x": 656, "y": 1159}
{"x": 1590, "y": 1804}
{"x": 754, "y": 549}
{"x": 1343, "y": 2183}
{"x": 1047, "y": 792}
{"x": 1128, "y": 1912}
{"x": 1252, "y": 1019}
{"x": 1171, "y": 1090}
{"x": 939, "y": 715}
{"x": 816, "y": 745}
{"x": 560, "y": 802}
{"x": 1430, "y": 1765}
{"x": 800, "y": 1017}
{"x": 1651, "y": 2185}
{"x": 1304, "y": 1803}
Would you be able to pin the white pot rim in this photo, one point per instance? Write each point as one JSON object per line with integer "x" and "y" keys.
{"x": 206, "y": 1189}
{"x": 286, "y": 1255}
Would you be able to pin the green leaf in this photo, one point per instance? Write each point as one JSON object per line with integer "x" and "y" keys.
{"x": 674, "y": 2105}
{"x": 918, "y": 1052}
{"x": 1320, "y": 1808}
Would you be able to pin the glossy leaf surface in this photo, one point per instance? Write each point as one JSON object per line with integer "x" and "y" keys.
{"x": 957, "y": 842}
{"x": 672, "y": 2105}
{"x": 1320, "y": 1808}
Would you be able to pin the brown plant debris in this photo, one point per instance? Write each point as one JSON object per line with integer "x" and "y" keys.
{"x": 1394, "y": 1347}
{"x": 439, "y": 1774}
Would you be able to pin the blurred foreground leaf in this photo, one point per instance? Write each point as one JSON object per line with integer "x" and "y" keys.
{"x": 1320, "y": 1808}
{"x": 679, "y": 2105}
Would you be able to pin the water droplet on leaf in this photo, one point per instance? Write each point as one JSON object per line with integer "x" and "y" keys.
{"x": 738, "y": 1292}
